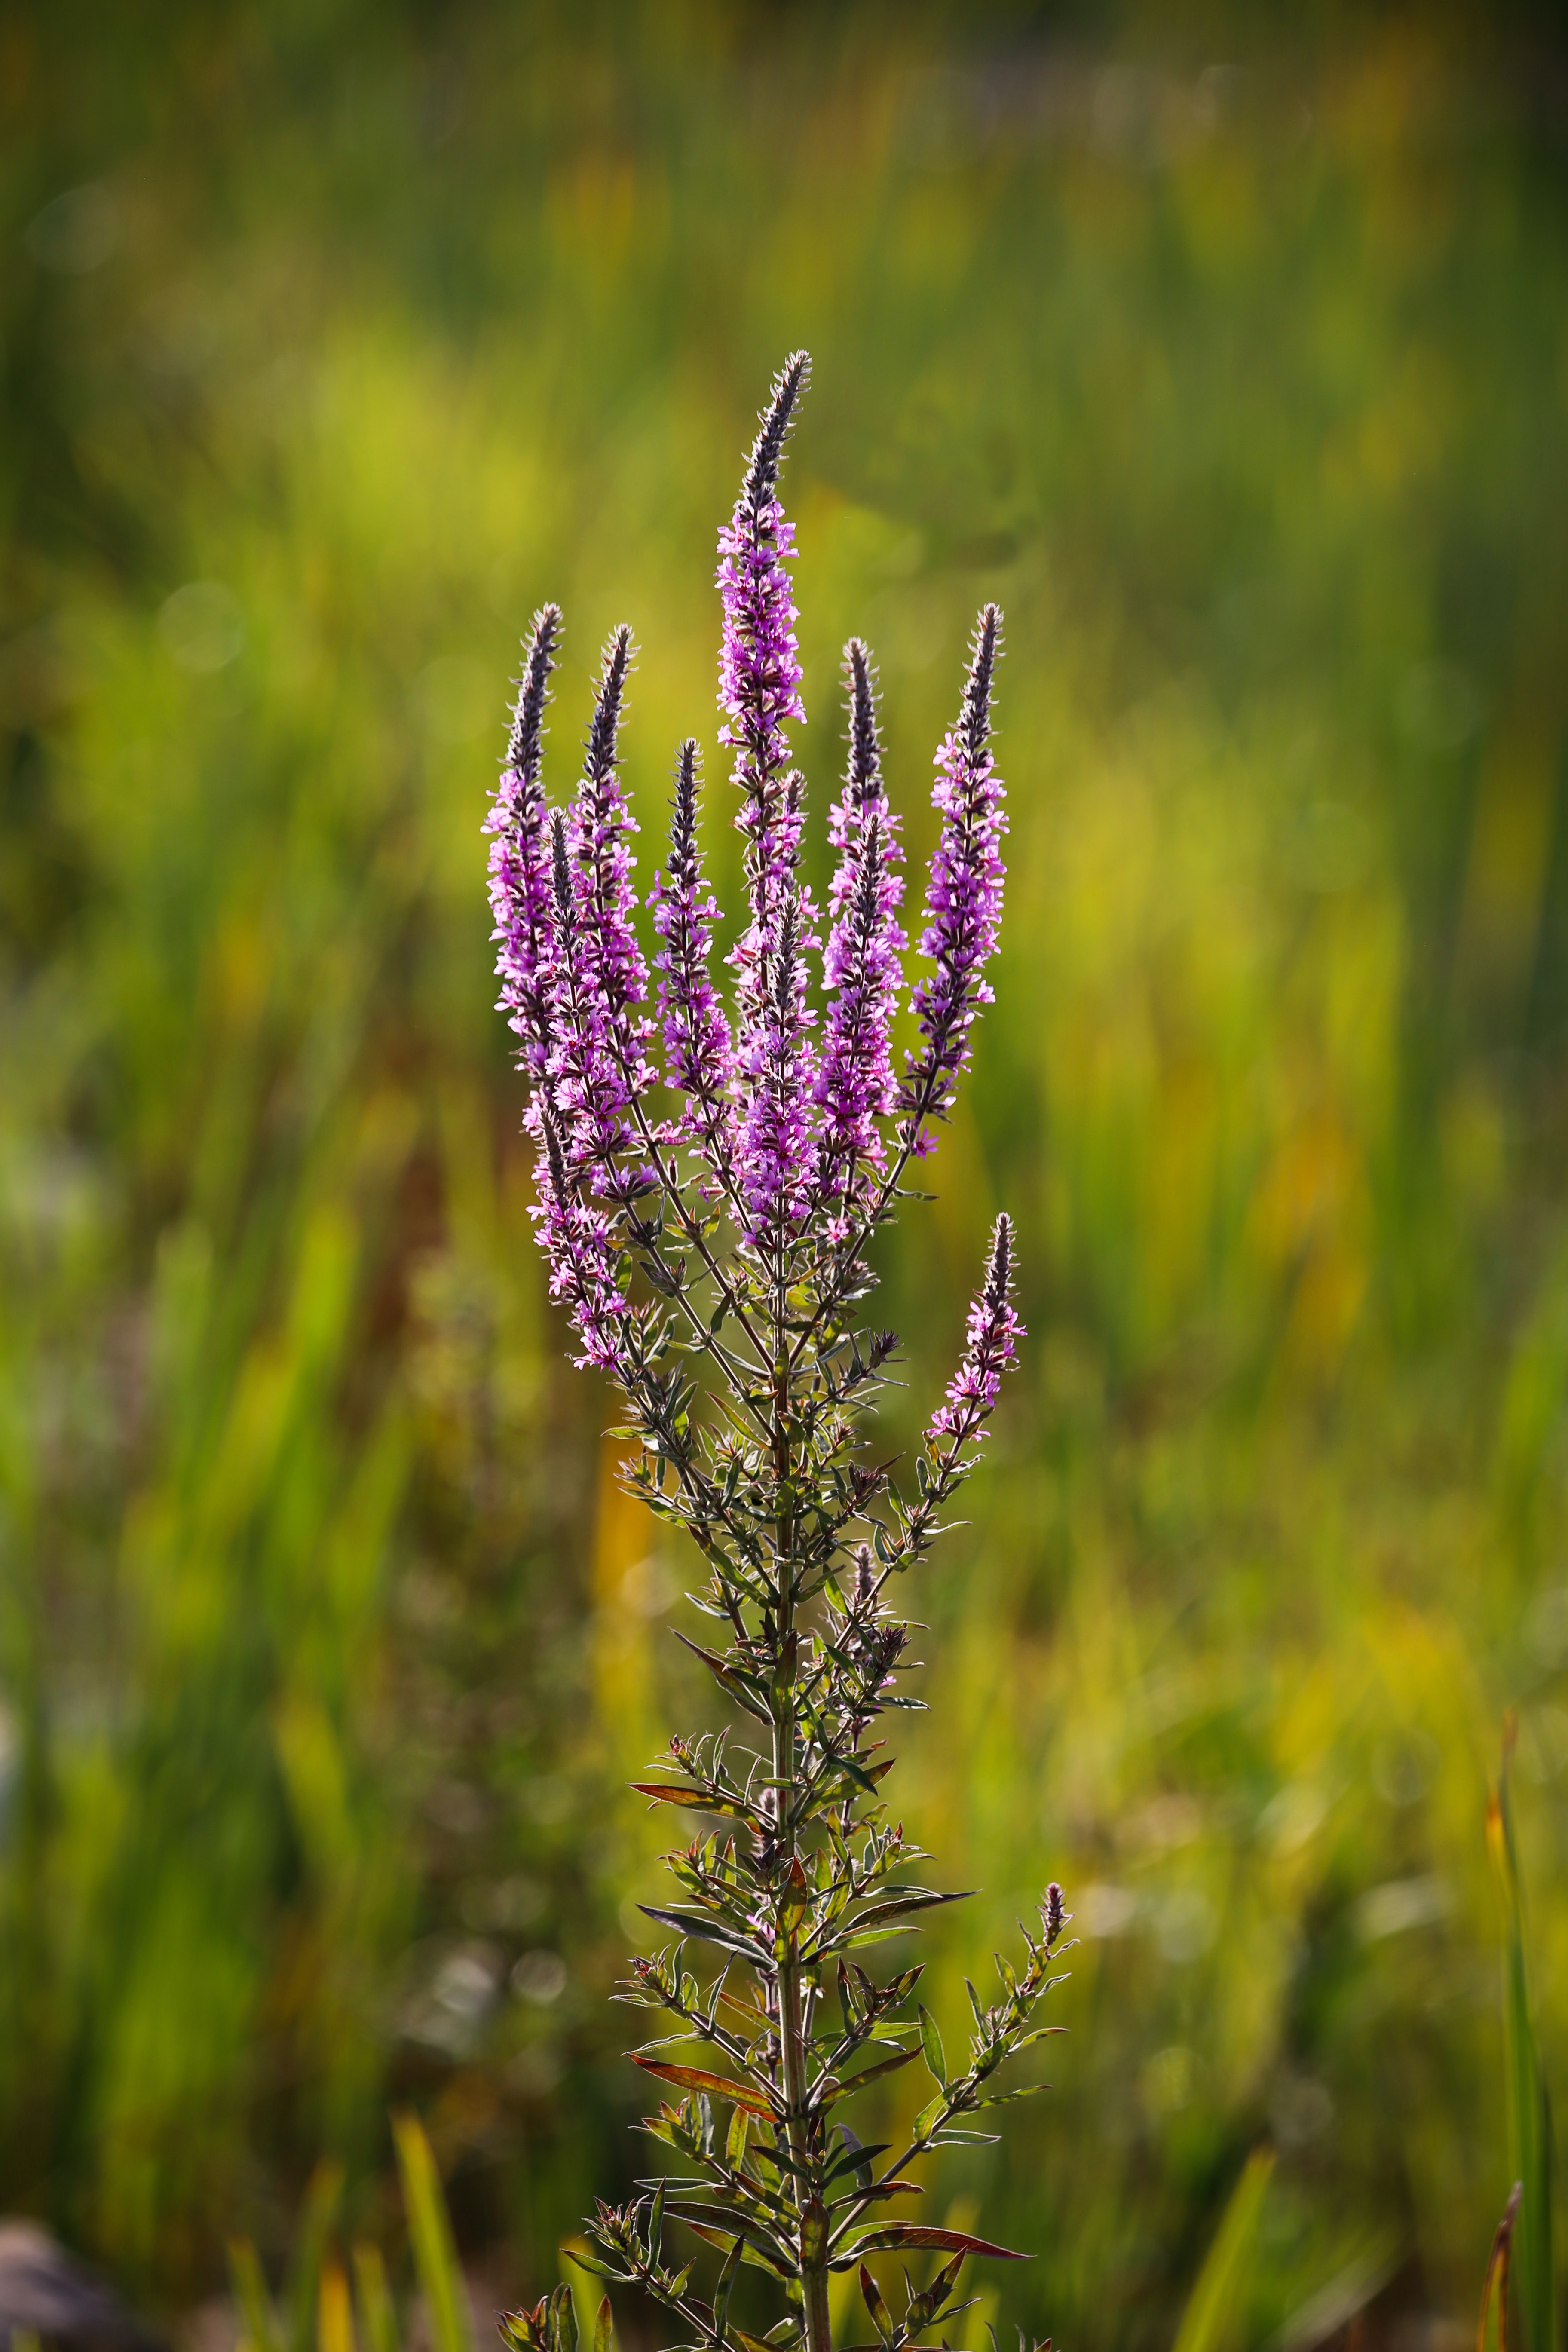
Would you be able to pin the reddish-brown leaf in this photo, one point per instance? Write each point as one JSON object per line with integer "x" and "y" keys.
{"x": 680, "y": 1792}
{"x": 893, "y": 2236}
{"x": 696, "y": 2078}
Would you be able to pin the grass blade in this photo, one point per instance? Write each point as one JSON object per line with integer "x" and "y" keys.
{"x": 378, "y": 2322}
{"x": 430, "y": 2228}
{"x": 334, "y": 2313}
{"x": 261, "y": 2331}
{"x": 326, "y": 2185}
{"x": 1210, "y": 2307}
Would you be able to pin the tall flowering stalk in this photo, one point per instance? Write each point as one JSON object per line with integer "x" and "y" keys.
{"x": 706, "y": 1224}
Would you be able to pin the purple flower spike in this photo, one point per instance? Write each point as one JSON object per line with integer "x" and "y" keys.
{"x": 855, "y": 1086}
{"x": 964, "y": 898}
{"x": 994, "y": 1331}
{"x": 519, "y": 862}
{"x": 759, "y": 679}
{"x": 598, "y": 1064}
{"x": 716, "y": 1266}
{"x": 699, "y": 1051}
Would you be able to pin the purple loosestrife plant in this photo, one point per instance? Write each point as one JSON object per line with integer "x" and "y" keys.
{"x": 707, "y": 1226}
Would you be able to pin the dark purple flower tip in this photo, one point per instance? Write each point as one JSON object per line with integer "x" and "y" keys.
{"x": 683, "y": 813}
{"x": 999, "y": 1287}
{"x": 865, "y": 751}
{"x": 974, "y": 717}
{"x": 601, "y": 752}
{"x": 1053, "y": 1911}
{"x": 525, "y": 747}
{"x": 767, "y": 450}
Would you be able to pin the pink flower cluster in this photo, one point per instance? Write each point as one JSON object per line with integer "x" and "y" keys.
{"x": 789, "y": 1123}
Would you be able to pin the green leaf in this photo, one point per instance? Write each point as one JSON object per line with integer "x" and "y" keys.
{"x": 913, "y": 1898}
{"x": 735, "y": 2145}
{"x": 854, "y": 2156}
{"x": 604, "y": 2327}
{"x": 591, "y": 2263}
{"x": 871, "y": 2293}
{"x": 726, "y": 2280}
{"x": 931, "y": 2047}
{"x": 754, "y": 2252}
{"x": 853, "y": 2083}
{"x": 925, "y": 2122}
{"x": 696, "y": 1922}
{"x": 430, "y": 2229}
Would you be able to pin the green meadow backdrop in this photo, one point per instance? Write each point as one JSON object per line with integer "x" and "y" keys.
{"x": 335, "y": 339}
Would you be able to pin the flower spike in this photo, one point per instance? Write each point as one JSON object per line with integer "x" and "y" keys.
{"x": 598, "y": 1063}
{"x": 855, "y": 1086}
{"x": 759, "y": 678}
{"x": 994, "y": 1331}
{"x": 964, "y": 898}
{"x": 518, "y": 874}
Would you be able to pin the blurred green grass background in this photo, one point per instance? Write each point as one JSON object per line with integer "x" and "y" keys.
{"x": 1231, "y": 355}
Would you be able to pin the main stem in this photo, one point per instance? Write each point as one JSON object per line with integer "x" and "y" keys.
{"x": 791, "y": 2021}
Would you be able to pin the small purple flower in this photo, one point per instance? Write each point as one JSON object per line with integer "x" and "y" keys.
{"x": 519, "y": 856}
{"x": 699, "y": 1050}
{"x": 994, "y": 1331}
{"x": 964, "y": 898}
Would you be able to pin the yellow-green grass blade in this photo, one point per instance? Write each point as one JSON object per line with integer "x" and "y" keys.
{"x": 430, "y": 2228}
{"x": 261, "y": 2331}
{"x": 377, "y": 2320}
{"x": 1211, "y": 2310}
{"x": 321, "y": 2195}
